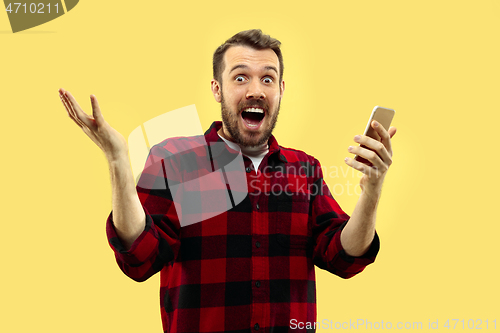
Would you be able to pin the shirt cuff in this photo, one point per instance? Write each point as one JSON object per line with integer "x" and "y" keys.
{"x": 142, "y": 248}
{"x": 348, "y": 265}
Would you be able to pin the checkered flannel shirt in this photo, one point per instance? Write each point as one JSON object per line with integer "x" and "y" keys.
{"x": 250, "y": 268}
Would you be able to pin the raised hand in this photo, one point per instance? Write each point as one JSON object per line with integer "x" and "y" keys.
{"x": 377, "y": 153}
{"x": 129, "y": 218}
{"x": 110, "y": 141}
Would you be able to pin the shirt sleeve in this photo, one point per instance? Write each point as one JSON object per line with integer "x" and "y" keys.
{"x": 328, "y": 220}
{"x": 159, "y": 242}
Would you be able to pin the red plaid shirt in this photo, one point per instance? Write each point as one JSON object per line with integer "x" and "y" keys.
{"x": 249, "y": 268}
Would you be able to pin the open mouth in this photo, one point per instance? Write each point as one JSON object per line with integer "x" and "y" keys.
{"x": 252, "y": 117}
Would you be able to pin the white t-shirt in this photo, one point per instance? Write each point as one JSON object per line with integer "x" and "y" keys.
{"x": 255, "y": 154}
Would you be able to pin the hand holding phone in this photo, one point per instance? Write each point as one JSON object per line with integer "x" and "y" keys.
{"x": 384, "y": 117}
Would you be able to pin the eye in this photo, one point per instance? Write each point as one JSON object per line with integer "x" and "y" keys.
{"x": 239, "y": 78}
{"x": 268, "y": 80}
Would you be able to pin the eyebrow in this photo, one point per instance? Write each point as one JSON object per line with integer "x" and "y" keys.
{"x": 267, "y": 68}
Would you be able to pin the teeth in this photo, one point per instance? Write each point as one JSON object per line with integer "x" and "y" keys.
{"x": 254, "y": 110}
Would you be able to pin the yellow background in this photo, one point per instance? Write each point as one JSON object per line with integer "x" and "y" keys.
{"x": 435, "y": 62}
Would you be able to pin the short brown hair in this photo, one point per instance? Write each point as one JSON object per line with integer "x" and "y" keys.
{"x": 253, "y": 38}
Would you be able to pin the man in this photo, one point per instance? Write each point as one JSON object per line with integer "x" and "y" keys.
{"x": 250, "y": 268}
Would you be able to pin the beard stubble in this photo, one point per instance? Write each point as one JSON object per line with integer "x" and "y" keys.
{"x": 230, "y": 120}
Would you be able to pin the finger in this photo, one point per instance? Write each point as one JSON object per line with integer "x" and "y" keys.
{"x": 392, "y": 131}
{"x": 378, "y": 147}
{"x": 73, "y": 105}
{"x": 67, "y": 104}
{"x": 70, "y": 111}
{"x": 61, "y": 96}
{"x": 384, "y": 135}
{"x": 362, "y": 167}
{"x": 96, "y": 111}
{"x": 370, "y": 156}
{"x": 78, "y": 111}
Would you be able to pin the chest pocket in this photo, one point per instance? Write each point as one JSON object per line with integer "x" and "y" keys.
{"x": 292, "y": 216}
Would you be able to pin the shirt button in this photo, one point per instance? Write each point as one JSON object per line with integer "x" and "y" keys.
{"x": 257, "y": 244}
{"x": 257, "y": 206}
{"x": 248, "y": 169}
{"x": 256, "y": 327}
{"x": 257, "y": 284}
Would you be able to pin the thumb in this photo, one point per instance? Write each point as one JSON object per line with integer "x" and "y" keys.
{"x": 96, "y": 111}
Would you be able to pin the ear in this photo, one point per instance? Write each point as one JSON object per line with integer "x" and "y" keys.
{"x": 216, "y": 90}
{"x": 282, "y": 86}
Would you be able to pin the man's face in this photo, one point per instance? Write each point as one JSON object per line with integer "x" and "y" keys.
{"x": 250, "y": 95}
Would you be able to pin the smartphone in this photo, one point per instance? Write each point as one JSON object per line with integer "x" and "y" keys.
{"x": 384, "y": 117}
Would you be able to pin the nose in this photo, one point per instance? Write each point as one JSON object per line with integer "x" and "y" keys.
{"x": 255, "y": 90}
